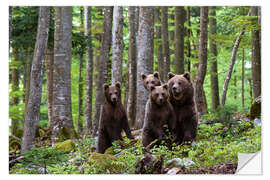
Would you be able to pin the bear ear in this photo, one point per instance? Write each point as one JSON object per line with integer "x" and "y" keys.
{"x": 105, "y": 86}
{"x": 187, "y": 76}
{"x": 170, "y": 75}
{"x": 143, "y": 76}
{"x": 156, "y": 74}
{"x": 165, "y": 86}
{"x": 118, "y": 84}
{"x": 152, "y": 88}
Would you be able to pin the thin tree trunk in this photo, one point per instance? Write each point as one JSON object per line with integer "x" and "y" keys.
{"x": 179, "y": 39}
{"x": 15, "y": 87}
{"x": 200, "y": 75}
{"x": 29, "y": 59}
{"x": 97, "y": 24}
{"x": 103, "y": 63}
{"x": 165, "y": 41}
{"x": 145, "y": 55}
{"x": 243, "y": 78}
{"x": 213, "y": 62}
{"x": 80, "y": 82}
{"x": 62, "y": 112}
{"x": 158, "y": 44}
{"x": 10, "y": 26}
{"x": 33, "y": 107}
{"x": 117, "y": 44}
{"x": 49, "y": 74}
{"x": 230, "y": 70}
{"x": 250, "y": 90}
{"x": 171, "y": 40}
{"x": 80, "y": 97}
{"x": 188, "y": 40}
{"x": 256, "y": 56}
{"x": 89, "y": 70}
{"x": 132, "y": 50}
{"x": 229, "y": 74}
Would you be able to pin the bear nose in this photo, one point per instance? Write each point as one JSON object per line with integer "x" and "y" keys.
{"x": 174, "y": 88}
{"x": 114, "y": 98}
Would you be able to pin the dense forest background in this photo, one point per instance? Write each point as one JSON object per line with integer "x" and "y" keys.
{"x": 60, "y": 57}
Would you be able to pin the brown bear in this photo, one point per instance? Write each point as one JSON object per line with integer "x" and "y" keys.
{"x": 159, "y": 115}
{"x": 113, "y": 118}
{"x": 150, "y": 80}
{"x": 181, "y": 95}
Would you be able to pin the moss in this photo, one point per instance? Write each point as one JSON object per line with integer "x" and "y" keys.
{"x": 106, "y": 163}
{"x": 19, "y": 133}
{"x": 110, "y": 150}
{"x": 66, "y": 133}
{"x": 67, "y": 145}
{"x": 118, "y": 144}
{"x": 255, "y": 109}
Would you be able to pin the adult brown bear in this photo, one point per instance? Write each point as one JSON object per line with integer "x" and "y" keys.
{"x": 113, "y": 118}
{"x": 181, "y": 94}
{"x": 159, "y": 115}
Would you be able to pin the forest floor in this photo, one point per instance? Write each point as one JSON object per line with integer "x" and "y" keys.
{"x": 214, "y": 151}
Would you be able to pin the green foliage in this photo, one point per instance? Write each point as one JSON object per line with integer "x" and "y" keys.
{"x": 38, "y": 160}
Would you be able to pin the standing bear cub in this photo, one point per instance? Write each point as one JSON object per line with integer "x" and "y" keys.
{"x": 113, "y": 118}
{"x": 159, "y": 114}
{"x": 181, "y": 97}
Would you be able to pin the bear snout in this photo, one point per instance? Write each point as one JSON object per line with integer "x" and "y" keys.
{"x": 114, "y": 98}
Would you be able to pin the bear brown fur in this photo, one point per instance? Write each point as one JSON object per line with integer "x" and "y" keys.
{"x": 159, "y": 114}
{"x": 113, "y": 118}
{"x": 150, "y": 80}
{"x": 182, "y": 99}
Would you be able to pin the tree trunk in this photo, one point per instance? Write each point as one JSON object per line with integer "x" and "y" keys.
{"x": 165, "y": 41}
{"x": 80, "y": 97}
{"x": 117, "y": 44}
{"x": 80, "y": 81}
{"x": 145, "y": 57}
{"x": 256, "y": 56}
{"x": 97, "y": 24}
{"x": 213, "y": 61}
{"x": 33, "y": 107}
{"x": 89, "y": 70}
{"x": 158, "y": 44}
{"x": 10, "y": 26}
{"x": 28, "y": 65}
{"x": 229, "y": 74}
{"x": 132, "y": 50}
{"x": 188, "y": 40}
{"x": 243, "y": 78}
{"x": 103, "y": 63}
{"x": 15, "y": 87}
{"x": 49, "y": 84}
{"x": 179, "y": 39}
{"x": 62, "y": 112}
{"x": 200, "y": 75}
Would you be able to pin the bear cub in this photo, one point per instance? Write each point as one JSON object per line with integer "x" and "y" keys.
{"x": 158, "y": 115}
{"x": 181, "y": 94}
{"x": 113, "y": 118}
{"x": 150, "y": 80}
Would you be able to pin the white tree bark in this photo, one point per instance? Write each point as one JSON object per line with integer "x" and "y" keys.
{"x": 117, "y": 44}
{"x": 33, "y": 106}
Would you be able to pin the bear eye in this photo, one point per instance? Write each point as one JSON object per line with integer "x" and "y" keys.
{"x": 153, "y": 82}
{"x": 110, "y": 94}
{"x": 163, "y": 94}
{"x": 147, "y": 82}
{"x": 179, "y": 83}
{"x": 116, "y": 92}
